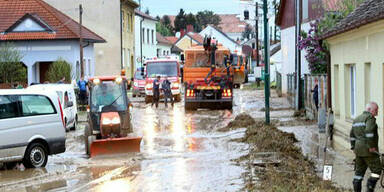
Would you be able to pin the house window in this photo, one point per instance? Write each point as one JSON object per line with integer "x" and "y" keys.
{"x": 122, "y": 20}
{"x": 148, "y": 36}
{"x": 367, "y": 82}
{"x": 305, "y": 9}
{"x": 164, "y": 52}
{"x": 143, "y": 35}
{"x": 128, "y": 22}
{"x": 89, "y": 67}
{"x": 123, "y": 58}
{"x": 153, "y": 41}
{"x": 352, "y": 89}
{"x": 128, "y": 56}
{"x": 336, "y": 89}
{"x": 132, "y": 23}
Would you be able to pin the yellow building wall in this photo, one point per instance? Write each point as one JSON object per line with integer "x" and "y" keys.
{"x": 363, "y": 48}
{"x": 185, "y": 43}
{"x": 129, "y": 38}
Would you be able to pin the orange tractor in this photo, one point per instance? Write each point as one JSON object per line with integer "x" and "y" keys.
{"x": 109, "y": 118}
{"x": 208, "y": 76}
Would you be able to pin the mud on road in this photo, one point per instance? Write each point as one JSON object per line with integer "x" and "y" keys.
{"x": 180, "y": 151}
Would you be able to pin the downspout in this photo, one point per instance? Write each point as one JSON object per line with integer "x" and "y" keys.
{"x": 141, "y": 41}
{"x": 121, "y": 36}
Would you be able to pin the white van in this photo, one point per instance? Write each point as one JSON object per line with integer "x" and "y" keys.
{"x": 31, "y": 126}
{"x": 67, "y": 97}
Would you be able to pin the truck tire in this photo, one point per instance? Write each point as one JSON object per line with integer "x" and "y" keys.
{"x": 148, "y": 99}
{"x": 36, "y": 155}
{"x": 190, "y": 107}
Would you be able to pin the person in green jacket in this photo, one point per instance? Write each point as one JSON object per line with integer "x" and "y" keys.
{"x": 364, "y": 142}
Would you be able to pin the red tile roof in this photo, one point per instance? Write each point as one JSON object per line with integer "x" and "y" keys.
{"x": 11, "y": 11}
{"x": 144, "y": 15}
{"x": 229, "y": 23}
{"x": 197, "y": 37}
{"x": 162, "y": 39}
{"x": 172, "y": 39}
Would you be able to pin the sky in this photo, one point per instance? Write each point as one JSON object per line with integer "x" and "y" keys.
{"x": 172, "y": 7}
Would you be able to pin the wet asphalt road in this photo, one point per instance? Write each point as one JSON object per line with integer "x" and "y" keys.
{"x": 180, "y": 152}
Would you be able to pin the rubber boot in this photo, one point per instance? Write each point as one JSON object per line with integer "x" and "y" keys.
{"x": 357, "y": 185}
{"x": 371, "y": 184}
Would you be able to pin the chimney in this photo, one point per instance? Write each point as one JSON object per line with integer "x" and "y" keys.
{"x": 190, "y": 28}
{"x": 182, "y": 33}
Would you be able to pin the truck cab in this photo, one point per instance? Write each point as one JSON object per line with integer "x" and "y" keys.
{"x": 164, "y": 67}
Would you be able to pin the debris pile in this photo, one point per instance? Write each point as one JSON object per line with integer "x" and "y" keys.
{"x": 291, "y": 172}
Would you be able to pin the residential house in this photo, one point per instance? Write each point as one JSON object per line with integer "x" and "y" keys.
{"x": 114, "y": 21}
{"x": 174, "y": 50}
{"x": 188, "y": 40}
{"x": 163, "y": 45}
{"x": 357, "y": 67}
{"x": 311, "y": 10}
{"x": 230, "y": 24}
{"x": 43, "y": 34}
{"x": 146, "y": 37}
{"x": 221, "y": 37}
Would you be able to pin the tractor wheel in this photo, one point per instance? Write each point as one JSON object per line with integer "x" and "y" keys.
{"x": 87, "y": 135}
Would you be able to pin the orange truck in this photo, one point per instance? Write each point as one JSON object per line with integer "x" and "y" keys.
{"x": 240, "y": 72}
{"x": 208, "y": 76}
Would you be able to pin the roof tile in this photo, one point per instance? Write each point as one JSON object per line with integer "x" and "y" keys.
{"x": 64, "y": 27}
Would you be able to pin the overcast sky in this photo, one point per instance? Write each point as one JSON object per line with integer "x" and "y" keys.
{"x": 172, "y": 7}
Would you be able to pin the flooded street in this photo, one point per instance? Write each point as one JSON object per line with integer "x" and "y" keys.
{"x": 180, "y": 151}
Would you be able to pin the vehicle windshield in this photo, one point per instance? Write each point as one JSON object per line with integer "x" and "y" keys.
{"x": 138, "y": 76}
{"x": 235, "y": 60}
{"x": 108, "y": 93}
{"x": 201, "y": 59}
{"x": 168, "y": 69}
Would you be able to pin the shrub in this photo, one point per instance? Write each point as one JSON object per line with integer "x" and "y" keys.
{"x": 11, "y": 67}
{"x": 58, "y": 70}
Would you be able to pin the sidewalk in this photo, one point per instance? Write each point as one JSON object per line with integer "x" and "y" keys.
{"x": 312, "y": 142}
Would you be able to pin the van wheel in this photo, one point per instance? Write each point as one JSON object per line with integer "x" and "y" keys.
{"x": 73, "y": 128}
{"x": 36, "y": 156}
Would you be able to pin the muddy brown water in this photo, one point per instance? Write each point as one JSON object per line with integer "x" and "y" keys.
{"x": 180, "y": 151}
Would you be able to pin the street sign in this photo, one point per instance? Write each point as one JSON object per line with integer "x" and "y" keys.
{"x": 327, "y": 172}
{"x": 258, "y": 73}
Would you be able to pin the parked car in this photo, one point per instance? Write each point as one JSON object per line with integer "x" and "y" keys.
{"x": 138, "y": 84}
{"x": 68, "y": 101}
{"x": 31, "y": 126}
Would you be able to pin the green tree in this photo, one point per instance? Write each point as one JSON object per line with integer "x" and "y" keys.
{"x": 166, "y": 20}
{"x": 11, "y": 67}
{"x": 180, "y": 21}
{"x": 163, "y": 30}
{"x": 205, "y": 18}
{"x": 59, "y": 69}
{"x": 147, "y": 11}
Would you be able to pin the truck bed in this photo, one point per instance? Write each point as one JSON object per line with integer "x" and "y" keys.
{"x": 199, "y": 73}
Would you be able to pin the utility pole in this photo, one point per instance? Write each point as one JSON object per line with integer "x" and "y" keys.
{"x": 266, "y": 61}
{"x": 275, "y": 7}
{"x": 81, "y": 39}
{"x": 298, "y": 56}
{"x": 257, "y": 34}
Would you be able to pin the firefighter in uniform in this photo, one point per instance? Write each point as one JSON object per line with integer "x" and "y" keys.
{"x": 364, "y": 142}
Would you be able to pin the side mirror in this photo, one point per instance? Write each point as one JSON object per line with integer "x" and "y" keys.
{"x": 69, "y": 104}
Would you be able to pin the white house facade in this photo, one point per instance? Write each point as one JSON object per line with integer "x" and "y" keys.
{"x": 145, "y": 35}
{"x": 222, "y": 38}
